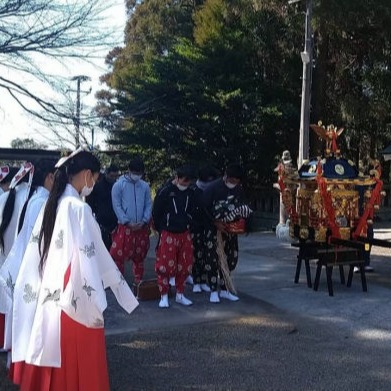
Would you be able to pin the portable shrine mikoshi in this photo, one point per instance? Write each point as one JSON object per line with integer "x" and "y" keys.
{"x": 331, "y": 207}
{"x": 328, "y": 197}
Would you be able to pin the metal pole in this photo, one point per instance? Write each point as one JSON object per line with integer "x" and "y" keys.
{"x": 78, "y": 79}
{"x": 306, "y": 57}
{"x": 77, "y": 120}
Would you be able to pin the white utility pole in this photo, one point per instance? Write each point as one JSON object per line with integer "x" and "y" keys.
{"x": 306, "y": 57}
{"x": 79, "y": 79}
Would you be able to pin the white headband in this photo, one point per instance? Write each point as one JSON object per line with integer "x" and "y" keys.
{"x": 23, "y": 171}
{"x": 4, "y": 171}
{"x": 66, "y": 158}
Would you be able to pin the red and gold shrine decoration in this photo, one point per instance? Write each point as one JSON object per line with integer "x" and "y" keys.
{"x": 286, "y": 193}
{"x": 328, "y": 196}
{"x": 327, "y": 202}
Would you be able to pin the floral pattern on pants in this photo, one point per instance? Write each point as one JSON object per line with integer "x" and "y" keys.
{"x": 231, "y": 249}
{"x": 130, "y": 245}
{"x": 200, "y": 274}
{"x": 174, "y": 258}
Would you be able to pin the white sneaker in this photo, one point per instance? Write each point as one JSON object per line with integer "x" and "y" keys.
{"x": 229, "y": 296}
{"x": 164, "y": 302}
{"x": 172, "y": 281}
{"x": 205, "y": 288}
{"x": 181, "y": 299}
{"x": 214, "y": 297}
{"x": 197, "y": 288}
{"x": 356, "y": 269}
{"x": 189, "y": 280}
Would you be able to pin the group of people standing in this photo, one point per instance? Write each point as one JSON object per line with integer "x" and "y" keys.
{"x": 54, "y": 269}
{"x": 191, "y": 213}
{"x": 59, "y": 253}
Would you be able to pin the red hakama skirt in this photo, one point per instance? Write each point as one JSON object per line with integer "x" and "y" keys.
{"x": 83, "y": 362}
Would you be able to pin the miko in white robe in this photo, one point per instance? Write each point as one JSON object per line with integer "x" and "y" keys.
{"x": 10, "y": 269}
{"x": 21, "y": 193}
{"x": 76, "y": 249}
{"x": 10, "y": 234}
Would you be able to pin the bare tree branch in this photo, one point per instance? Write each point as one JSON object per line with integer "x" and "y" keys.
{"x": 38, "y": 37}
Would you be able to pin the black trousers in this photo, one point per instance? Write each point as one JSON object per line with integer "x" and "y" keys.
{"x": 231, "y": 249}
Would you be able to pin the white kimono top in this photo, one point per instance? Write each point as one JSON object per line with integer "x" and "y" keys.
{"x": 10, "y": 269}
{"x": 21, "y": 193}
{"x": 38, "y": 301}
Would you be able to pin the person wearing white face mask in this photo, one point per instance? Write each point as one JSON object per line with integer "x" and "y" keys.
{"x": 173, "y": 210}
{"x": 132, "y": 204}
{"x": 225, "y": 190}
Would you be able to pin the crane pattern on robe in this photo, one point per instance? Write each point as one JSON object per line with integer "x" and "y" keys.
{"x": 55, "y": 296}
{"x": 89, "y": 250}
{"x": 74, "y": 301}
{"x": 89, "y": 289}
{"x": 10, "y": 283}
{"x": 29, "y": 295}
{"x": 60, "y": 240}
{"x": 34, "y": 238}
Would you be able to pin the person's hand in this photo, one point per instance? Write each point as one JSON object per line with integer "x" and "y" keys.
{"x": 132, "y": 226}
{"x": 138, "y": 226}
{"x": 220, "y": 225}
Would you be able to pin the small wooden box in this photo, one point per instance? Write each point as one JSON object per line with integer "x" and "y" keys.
{"x": 147, "y": 290}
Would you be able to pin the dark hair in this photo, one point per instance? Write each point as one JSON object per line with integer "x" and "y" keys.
{"x": 11, "y": 174}
{"x": 136, "y": 165}
{"x": 112, "y": 168}
{"x": 84, "y": 160}
{"x": 234, "y": 171}
{"x": 42, "y": 168}
{"x": 187, "y": 172}
{"x": 9, "y": 205}
{"x": 208, "y": 173}
{"x": 8, "y": 211}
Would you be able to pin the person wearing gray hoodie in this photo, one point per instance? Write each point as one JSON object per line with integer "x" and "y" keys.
{"x": 132, "y": 204}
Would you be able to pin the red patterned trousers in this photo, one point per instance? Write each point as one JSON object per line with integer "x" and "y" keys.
{"x": 130, "y": 245}
{"x": 174, "y": 258}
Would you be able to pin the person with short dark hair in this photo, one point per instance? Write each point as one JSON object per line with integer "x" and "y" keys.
{"x": 59, "y": 294}
{"x": 226, "y": 191}
{"x": 172, "y": 215}
{"x": 101, "y": 203}
{"x": 132, "y": 204}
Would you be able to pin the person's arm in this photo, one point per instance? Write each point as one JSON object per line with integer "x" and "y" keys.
{"x": 208, "y": 200}
{"x": 158, "y": 210}
{"x": 207, "y": 203}
{"x": 116, "y": 198}
{"x": 147, "y": 205}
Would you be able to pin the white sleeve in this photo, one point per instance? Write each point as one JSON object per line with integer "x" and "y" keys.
{"x": 92, "y": 270}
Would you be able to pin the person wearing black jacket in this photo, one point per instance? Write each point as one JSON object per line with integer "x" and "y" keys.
{"x": 200, "y": 272}
{"x": 172, "y": 215}
{"x": 101, "y": 204}
{"x": 227, "y": 190}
